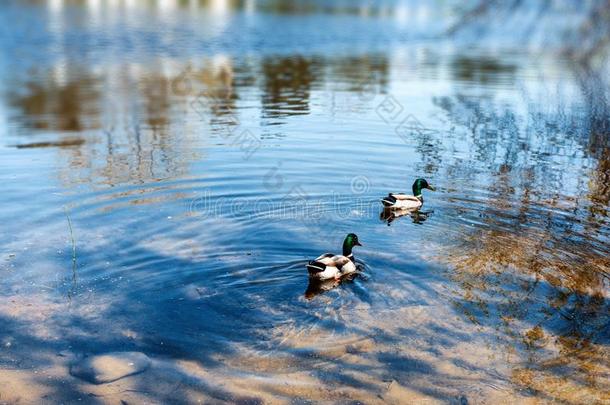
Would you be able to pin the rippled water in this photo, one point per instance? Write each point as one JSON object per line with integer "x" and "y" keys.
{"x": 168, "y": 170}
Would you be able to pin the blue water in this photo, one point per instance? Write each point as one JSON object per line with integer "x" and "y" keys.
{"x": 203, "y": 155}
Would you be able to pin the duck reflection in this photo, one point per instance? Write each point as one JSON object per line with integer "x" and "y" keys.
{"x": 317, "y": 287}
{"x": 390, "y": 215}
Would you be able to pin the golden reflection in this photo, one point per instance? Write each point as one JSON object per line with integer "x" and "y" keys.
{"x": 599, "y": 188}
{"x": 402, "y": 12}
{"x": 365, "y": 75}
{"x": 52, "y": 105}
{"x": 64, "y": 143}
{"x": 546, "y": 293}
{"x": 158, "y": 116}
{"x": 141, "y": 141}
{"x": 288, "y": 85}
{"x": 578, "y": 375}
{"x": 155, "y": 94}
{"x": 482, "y": 70}
{"x": 533, "y": 265}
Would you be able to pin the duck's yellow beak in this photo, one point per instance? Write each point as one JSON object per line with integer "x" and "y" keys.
{"x": 430, "y": 188}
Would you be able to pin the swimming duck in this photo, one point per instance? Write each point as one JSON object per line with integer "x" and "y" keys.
{"x": 409, "y": 202}
{"x": 330, "y": 266}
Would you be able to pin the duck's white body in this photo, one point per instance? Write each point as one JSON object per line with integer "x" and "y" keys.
{"x": 335, "y": 266}
{"x": 402, "y": 201}
{"x": 329, "y": 266}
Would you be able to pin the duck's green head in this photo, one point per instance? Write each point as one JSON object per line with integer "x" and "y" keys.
{"x": 350, "y": 241}
{"x": 419, "y": 185}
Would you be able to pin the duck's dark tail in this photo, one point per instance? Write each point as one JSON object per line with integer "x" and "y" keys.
{"x": 388, "y": 201}
{"x": 315, "y": 267}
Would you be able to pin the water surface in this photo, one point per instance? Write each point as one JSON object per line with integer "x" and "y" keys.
{"x": 168, "y": 169}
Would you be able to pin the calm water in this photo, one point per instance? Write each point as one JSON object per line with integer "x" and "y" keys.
{"x": 167, "y": 169}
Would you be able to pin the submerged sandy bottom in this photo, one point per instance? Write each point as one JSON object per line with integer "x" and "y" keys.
{"x": 492, "y": 334}
{"x": 411, "y": 354}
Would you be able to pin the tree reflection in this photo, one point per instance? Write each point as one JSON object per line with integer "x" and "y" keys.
{"x": 52, "y": 104}
{"x": 535, "y": 264}
{"x": 287, "y": 85}
{"x": 131, "y": 118}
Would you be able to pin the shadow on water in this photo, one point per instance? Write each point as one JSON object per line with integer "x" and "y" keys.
{"x": 140, "y": 321}
{"x": 213, "y": 323}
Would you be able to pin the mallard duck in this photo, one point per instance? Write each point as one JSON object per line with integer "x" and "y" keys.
{"x": 409, "y": 202}
{"x": 330, "y": 266}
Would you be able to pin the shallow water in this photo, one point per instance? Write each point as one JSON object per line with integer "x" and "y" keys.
{"x": 169, "y": 169}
